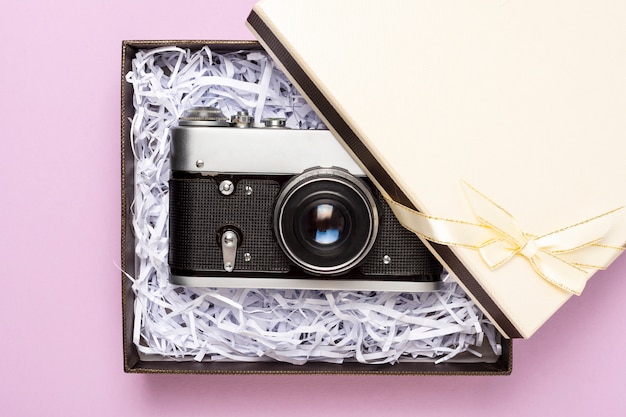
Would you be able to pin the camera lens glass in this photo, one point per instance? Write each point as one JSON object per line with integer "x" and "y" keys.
{"x": 325, "y": 224}
{"x": 326, "y": 221}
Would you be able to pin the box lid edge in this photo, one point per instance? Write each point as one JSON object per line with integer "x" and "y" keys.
{"x": 280, "y": 50}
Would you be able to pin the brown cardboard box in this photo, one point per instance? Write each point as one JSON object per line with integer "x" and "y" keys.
{"x": 135, "y": 362}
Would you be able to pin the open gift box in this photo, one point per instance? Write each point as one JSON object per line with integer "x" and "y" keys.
{"x": 494, "y": 136}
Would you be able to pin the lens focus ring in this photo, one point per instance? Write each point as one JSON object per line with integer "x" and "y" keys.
{"x": 326, "y": 221}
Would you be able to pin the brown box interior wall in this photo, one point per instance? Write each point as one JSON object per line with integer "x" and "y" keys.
{"x": 132, "y": 361}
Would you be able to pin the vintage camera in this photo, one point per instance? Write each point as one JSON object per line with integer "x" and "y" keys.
{"x": 273, "y": 207}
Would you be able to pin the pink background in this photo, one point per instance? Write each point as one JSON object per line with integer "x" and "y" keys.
{"x": 61, "y": 337}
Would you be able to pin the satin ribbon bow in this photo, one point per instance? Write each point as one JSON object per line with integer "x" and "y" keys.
{"x": 564, "y": 257}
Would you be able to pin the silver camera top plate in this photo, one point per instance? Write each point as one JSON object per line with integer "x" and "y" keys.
{"x": 256, "y": 151}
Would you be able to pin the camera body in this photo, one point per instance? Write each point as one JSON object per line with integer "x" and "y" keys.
{"x": 273, "y": 207}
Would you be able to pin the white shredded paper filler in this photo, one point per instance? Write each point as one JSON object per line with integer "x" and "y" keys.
{"x": 294, "y": 326}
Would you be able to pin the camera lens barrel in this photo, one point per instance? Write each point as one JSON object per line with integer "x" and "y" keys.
{"x": 326, "y": 221}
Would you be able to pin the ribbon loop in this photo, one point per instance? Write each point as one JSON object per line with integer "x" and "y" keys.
{"x": 564, "y": 257}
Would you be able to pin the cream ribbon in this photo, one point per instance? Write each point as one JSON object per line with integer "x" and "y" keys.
{"x": 564, "y": 257}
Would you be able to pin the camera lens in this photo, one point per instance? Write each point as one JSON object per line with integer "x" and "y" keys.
{"x": 326, "y": 221}
{"x": 325, "y": 224}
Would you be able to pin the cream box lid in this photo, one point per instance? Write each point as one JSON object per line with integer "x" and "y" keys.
{"x": 496, "y": 128}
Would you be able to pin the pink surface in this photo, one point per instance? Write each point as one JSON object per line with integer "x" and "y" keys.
{"x": 61, "y": 347}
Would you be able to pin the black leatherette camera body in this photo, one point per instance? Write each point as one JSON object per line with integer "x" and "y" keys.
{"x": 249, "y": 208}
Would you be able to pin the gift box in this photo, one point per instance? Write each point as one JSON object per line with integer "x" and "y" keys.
{"x": 171, "y": 328}
{"x": 473, "y": 120}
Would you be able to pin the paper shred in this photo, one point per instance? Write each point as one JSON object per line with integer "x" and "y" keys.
{"x": 294, "y": 326}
